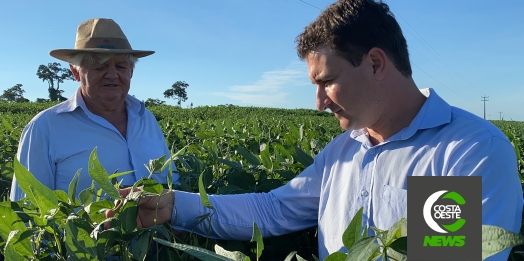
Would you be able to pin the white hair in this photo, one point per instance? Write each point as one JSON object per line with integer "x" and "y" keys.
{"x": 78, "y": 59}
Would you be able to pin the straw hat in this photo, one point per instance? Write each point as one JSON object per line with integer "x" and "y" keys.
{"x": 99, "y": 35}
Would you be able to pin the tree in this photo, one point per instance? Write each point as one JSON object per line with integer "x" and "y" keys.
{"x": 53, "y": 74}
{"x": 14, "y": 94}
{"x": 177, "y": 92}
{"x": 41, "y": 100}
{"x": 153, "y": 102}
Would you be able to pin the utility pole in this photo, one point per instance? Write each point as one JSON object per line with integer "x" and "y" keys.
{"x": 500, "y": 115}
{"x": 484, "y": 99}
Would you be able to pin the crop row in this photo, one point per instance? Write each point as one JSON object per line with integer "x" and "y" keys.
{"x": 237, "y": 149}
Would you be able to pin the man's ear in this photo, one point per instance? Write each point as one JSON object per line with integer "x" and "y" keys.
{"x": 76, "y": 75}
{"x": 378, "y": 58}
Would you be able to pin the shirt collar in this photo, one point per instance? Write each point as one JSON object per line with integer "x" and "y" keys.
{"x": 434, "y": 112}
{"x": 133, "y": 105}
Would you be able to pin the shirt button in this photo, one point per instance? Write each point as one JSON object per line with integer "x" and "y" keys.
{"x": 372, "y": 151}
{"x": 364, "y": 193}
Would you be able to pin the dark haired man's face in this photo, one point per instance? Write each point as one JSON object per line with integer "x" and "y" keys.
{"x": 349, "y": 92}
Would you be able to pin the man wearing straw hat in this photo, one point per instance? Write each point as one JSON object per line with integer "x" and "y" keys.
{"x": 58, "y": 141}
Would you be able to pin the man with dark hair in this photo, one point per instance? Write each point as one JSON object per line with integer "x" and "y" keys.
{"x": 358, "y": 59}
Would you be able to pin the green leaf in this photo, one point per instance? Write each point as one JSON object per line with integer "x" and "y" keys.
{"x": 100, "y": 176}
{"x": 400, "y": 245}
{"x": 94, "y": 210}
{"x": 73, "y": 185}
{"x": 184, "y": 163}
{"x": 207, "y": 178}
{"x": 80, "y": 246}
{"x": 241, "y": 179}
{"x": 234, "y": 255}
{"x": 156, "y": 165}
{"x": 496, "y": 239}
{"x": 128, "y": 214}
{"x": 363, "y": 249}
{"x": 203, "y": 195}
{"x": 106, "y": 240}
{"x": 248, "y": 156}
{"x": 299, "y": 258}
{"x": 266, "y": 160}
{"x": 219, "y": 130}
{"x": 229, "y": 128}
{"x": 287, "y": 174}
{"x": 197, "y": 252}
{"x": 86, "y": 196}
{"x": 283, "y": 151}
{"x": 152, "y": 186}
{"x": 302, "y": 157}
{"x": 161, "y": 229}
{"x": 336, "y": 256}
{"x": 118, "y": 174}
{"x": 353, "y": 232}
{"x": 141, "y": 246}
{"x": 257, "y": 237}
{"x": 231, "y": 164}
{"x": 10, "y": 222}
{"x": 43, "y": 196}
{"x": 290, "y": 256}
{"x": 269, "y": 184}
{"x": 204, "y": 135}
{"x": 14, "y": 251}
{"x": 6, "y": 124}
{"x": 398, "y": 249}
{"x": 398, "y": 230}
{"x": 232, "y": 189}
{"x": 195, "y": 164}
{"x": 294, "y": 130}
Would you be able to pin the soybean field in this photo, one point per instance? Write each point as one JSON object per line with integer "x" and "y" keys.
{"x": 230, "y": 150}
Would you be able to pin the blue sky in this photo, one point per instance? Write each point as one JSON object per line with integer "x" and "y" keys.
{"x": 243, "y": 52}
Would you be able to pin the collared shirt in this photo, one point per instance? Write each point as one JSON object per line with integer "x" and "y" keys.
{"x": 350, "y": 173}
{"x": 58, "y": 141}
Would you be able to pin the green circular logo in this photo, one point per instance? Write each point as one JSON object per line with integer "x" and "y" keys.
{"x": 444, "y": 212}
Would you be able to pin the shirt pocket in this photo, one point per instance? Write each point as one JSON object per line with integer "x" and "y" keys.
{"x": 392, "y": 206}
{"x": 152, "y": 148}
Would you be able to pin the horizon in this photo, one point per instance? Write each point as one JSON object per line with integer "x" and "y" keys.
{"x": 243, "y": 53}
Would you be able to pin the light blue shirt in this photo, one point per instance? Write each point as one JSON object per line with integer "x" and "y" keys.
{"x": 58, "y": 141}
{"x": 351, "y": 173}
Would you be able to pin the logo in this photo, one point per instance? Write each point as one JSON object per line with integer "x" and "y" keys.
{"x": 445, "y": 217}
{"x": 444, "y": 212}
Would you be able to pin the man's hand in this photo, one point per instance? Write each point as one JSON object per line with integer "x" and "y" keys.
{"x": 149, "y": 207}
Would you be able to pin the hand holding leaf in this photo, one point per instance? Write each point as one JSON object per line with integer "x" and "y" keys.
{"x": 152, "y": 210}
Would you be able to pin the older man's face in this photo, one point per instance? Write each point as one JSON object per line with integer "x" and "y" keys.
{"x": 105, "y": 85}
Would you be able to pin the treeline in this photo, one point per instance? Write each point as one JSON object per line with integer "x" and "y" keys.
{"x": 54, "y": 75}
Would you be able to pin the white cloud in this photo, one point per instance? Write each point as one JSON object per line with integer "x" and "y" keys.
{"x": 269, "y": 90}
